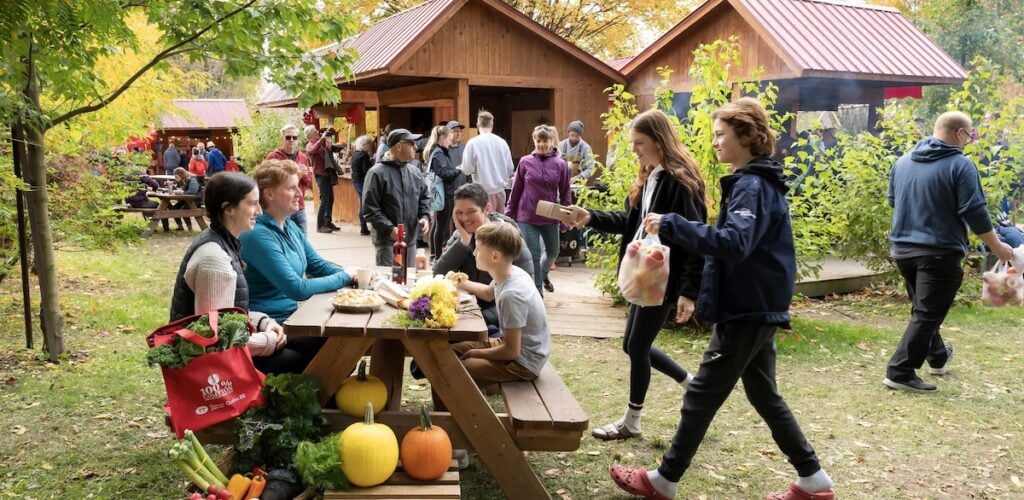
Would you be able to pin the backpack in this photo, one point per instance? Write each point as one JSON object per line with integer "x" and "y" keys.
{"x": 435, "y": 188}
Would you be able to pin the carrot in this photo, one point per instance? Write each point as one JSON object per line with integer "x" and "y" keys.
{"x": 238, "y": 485}
{"x": 256, "y": 487}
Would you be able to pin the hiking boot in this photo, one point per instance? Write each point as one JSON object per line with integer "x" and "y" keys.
{"x": 548, "y": 286}
{"x": 324, "y": 229}
{"x": 941, "y": 370}
{"x": 913, "y": 385}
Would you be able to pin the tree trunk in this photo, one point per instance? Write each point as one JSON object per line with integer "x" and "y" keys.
{"x": 39, "y": 220}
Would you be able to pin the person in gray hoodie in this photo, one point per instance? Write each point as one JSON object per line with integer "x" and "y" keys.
{"x": 395, "y": 194}
{"x": 936, "y": 195}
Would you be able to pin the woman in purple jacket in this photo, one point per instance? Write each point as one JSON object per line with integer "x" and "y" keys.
{"x": 542, "y": 175}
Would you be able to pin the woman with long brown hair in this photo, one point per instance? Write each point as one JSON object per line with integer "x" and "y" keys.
{"x": 668, "y": 181}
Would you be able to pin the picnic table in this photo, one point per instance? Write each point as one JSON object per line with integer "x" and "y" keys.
{"x": 468, "y": 419}
{"x": 164, "y": 211}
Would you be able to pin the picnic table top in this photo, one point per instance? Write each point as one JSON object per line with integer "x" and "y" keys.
{"x": 317, "y": 317}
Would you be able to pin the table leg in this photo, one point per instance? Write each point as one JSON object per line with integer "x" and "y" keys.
{"x": 199, "y": 219}
{"x": 153, "y": 221}
{"x": 476, "y": 418}
{"x": 388, "y": 364}
{"x": 335, "y": 361}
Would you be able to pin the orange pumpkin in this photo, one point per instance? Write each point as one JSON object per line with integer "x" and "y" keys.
{"x": 426, "y": 450}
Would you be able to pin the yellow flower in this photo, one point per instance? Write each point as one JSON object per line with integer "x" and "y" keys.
{"x": 443, "y": 300}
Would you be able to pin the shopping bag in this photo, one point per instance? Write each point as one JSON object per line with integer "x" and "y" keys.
{"x": 1002, "y": 286}
{"x": 212, "y": 388}
{"x": 644, "y": 272}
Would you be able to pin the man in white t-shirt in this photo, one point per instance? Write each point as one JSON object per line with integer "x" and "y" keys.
{"x": 488, "y": 159}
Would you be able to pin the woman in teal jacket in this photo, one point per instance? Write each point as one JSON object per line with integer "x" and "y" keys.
{"x": 281, "y": 267}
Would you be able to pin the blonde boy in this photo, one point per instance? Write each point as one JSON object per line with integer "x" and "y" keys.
{"x": 523, "y": 348}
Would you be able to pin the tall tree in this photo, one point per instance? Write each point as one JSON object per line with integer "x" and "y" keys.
{"x": 49, "y": 51}
{"x": 605, "y": 28}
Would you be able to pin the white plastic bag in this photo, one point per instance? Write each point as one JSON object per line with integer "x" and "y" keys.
{"x": 643, "y": 275}
{"x": 1002, "y": 286}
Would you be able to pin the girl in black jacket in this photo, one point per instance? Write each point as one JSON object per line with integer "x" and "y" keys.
{"x": 668, "y": 181}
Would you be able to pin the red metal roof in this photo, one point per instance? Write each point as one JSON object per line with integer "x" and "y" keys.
{"x": 618, "y": 64}
{"x": 208, "y": 113}
{"x": 844, "y": 38}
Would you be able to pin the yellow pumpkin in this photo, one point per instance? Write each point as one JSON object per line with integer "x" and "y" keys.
{"x": 426, "y": 450}
{"x": 369, "y": 451}
{"x": 360, "y": 389}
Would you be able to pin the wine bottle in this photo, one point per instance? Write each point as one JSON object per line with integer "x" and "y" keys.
{"x": 399, "y": 252}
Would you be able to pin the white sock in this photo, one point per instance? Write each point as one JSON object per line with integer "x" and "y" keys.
{"x": 815, "y": 483}
{"x": 662, "y": 485}
{"x": 632, "y": 417}
{"x": 686, "y": 381}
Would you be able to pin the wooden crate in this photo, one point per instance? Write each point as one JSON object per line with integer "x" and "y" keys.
{"x": 401, "y": 486}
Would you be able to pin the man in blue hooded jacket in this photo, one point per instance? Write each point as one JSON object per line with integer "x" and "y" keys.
{"x": 936, "y": 195}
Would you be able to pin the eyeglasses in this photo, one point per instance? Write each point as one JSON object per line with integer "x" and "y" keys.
{"x": 972, "y": 135}
{"x": 291, "y": 137}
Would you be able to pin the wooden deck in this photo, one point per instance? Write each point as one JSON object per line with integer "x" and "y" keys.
{"x": 576, "y": 307}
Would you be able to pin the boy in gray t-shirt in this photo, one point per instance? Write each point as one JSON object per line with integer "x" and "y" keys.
{"x": 523, "y": 348}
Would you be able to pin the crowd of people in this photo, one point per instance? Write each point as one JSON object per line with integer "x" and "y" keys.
{"x": 737, "y": 273}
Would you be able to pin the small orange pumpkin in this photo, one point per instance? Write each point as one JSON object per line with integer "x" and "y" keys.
{"x": 426, "y": 450}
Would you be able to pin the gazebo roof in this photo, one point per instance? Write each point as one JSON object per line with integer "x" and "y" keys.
{"x": 385, "y": 46}
{"x": 207, "y": 113}
{"x": 818, "y": 38}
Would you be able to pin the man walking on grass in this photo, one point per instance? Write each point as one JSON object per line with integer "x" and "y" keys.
{"x": 935, "y": 192}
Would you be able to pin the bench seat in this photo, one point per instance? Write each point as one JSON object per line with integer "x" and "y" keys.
{"x": 128, "y": 209}
{"x": 544, "y": 414}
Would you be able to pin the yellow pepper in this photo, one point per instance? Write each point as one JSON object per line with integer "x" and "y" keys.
{"x": 238, "y": 486}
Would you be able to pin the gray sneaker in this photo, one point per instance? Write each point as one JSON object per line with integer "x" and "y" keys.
{"x": 942, "y": 370}
{"x": 913, "y": 385}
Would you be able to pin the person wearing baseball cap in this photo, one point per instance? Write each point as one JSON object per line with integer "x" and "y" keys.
{"x": 455, "y": 150}
{"x": 394, "y": 194}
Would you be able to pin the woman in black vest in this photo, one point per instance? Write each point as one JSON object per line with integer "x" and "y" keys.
{"x": 211, "y": 277}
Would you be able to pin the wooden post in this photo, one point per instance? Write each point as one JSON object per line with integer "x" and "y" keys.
{"x": 462, "y": 111}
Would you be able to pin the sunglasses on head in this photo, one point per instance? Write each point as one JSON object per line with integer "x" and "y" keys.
{"x": 291, "y": 137}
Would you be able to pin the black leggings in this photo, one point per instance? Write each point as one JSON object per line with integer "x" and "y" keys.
{"x": 737, "y": 350}
{"x": 292, "y": 358}
{"x": 642, "y": 327}
{"x": 442, "y": 229}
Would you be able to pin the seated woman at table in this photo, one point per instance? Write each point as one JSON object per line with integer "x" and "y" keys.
{"x": 282, "y": 268}
{"x": 141, "y": 197}
{"x": 210, "y": 276}
{"x": 188, "y": 183}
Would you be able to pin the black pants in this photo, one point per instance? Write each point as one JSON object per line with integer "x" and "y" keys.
{"x": 932, "y": 282}
{"x": 292, "y": 358}
{"x": 324, "y": 213}
{"x": 442, "y": 229}
{"x": 181, "y": 205}
{"x": 737, "y": 350}
{"x": 642, "y": 327}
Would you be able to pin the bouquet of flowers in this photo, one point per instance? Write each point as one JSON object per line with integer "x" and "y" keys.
{"x": 434, "y": 301}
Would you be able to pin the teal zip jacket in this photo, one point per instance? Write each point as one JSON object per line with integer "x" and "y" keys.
{"x": 282, "y": 268}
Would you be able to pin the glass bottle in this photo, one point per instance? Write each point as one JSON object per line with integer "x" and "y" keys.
{"x": 399, "y": 251}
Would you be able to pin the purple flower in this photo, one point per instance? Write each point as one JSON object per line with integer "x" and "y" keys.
{"x": 420, "y": 308}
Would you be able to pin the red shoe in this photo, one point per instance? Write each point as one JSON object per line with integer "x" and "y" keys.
{"x": 635, "y": 482}
{"x": 797, "y": 493}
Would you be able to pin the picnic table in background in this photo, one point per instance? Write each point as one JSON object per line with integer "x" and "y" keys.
{"x": 164, "y": 210}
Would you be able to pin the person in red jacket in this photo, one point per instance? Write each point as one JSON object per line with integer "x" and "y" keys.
{"x": 197, "y": 165}
{"x": 232, "y": 165}
{"x": 289, "y": 150}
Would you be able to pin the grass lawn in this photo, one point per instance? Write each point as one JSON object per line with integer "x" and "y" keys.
{"x": 92, "y": 427}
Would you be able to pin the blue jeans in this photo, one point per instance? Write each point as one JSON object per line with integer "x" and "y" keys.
{"x": 534, "y": 235}
{"x": 362, "y": 221}
{"x": 299, "y": 218}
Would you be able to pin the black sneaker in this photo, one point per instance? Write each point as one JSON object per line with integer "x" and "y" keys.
{"x": 913, "y": 385}
{"x": 942, "y": 370}
{"x": 548, "y": 286}
{"x": 324, "y": 229}
{"x": 415, "y": 371}
{"x": 334, "y": 226}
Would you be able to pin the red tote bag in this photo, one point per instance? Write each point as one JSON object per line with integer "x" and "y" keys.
{"x": 211, "y": 388}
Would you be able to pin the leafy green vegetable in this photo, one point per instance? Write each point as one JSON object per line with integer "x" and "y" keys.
{"x": 319, "y": 464}
{"x": 233, "y": 331}
{"x": 268, "y": 436}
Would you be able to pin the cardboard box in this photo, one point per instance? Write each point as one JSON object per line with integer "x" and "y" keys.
{"x": 555, "y": 211}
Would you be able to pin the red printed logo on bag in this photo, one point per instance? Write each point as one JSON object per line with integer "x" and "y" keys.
{"x": 217, "y": 389}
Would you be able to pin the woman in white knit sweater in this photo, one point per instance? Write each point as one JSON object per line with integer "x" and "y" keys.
{"x": 210, "y": 276}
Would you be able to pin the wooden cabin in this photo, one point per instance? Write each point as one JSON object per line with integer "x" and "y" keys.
{"x": 203, "y": 120}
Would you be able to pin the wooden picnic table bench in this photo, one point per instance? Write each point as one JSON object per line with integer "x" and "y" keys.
{"x": 164, "y": 211}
